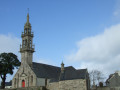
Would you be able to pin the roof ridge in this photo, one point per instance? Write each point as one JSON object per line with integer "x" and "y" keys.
{"x": 46, "y": 64}
{"x": 81, "y": 69}
{"x": 70, "y": 67}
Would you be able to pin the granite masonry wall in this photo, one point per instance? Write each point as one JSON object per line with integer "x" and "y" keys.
{"x": 77, "y": 84}
{"x": 24, "y": 73}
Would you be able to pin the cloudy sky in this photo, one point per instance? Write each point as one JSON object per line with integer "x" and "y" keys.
{"x": 81, "y": 33}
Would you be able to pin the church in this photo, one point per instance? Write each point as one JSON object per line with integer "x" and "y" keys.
{"x": 32, "y": 74}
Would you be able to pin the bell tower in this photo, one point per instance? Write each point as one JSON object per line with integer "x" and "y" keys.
{"x": 62, "y": 67}
{"x": 27, "y": 47}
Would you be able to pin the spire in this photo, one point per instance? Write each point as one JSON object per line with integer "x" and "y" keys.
{"x": 28, "y": 16}
{"x": 27, "y": 24}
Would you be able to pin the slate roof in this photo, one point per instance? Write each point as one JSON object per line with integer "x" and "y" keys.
{"x": 71, "y": 73}
{"x": 45, "y": 71}
{"x": 82, "y": 73}
{"x": 54, "y": 73}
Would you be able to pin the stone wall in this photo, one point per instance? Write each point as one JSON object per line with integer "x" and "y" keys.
{"x": 40, "y": 81}
{"x": 77, "y": 84}
{"x": 53, "y": 86}
{"x": 103, "y": 88}
{"x": 115, "y": 88}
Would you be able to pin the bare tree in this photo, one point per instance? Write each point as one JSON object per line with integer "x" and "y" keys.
{"x": 99, "y": 76}
{"x": 96, "y": 76}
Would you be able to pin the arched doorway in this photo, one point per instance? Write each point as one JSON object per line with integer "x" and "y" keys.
{"x": 23, "y": 83}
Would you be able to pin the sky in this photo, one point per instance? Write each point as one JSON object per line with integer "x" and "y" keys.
{"x": 81, "y": 33}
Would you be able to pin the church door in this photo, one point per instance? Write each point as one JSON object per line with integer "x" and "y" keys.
{"x": 23, "y": 83}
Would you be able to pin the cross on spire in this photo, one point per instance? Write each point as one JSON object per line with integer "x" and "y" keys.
{"x": 28, "y": 10}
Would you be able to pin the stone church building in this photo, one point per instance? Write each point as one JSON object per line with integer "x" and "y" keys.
{"x": 38, "y": 74}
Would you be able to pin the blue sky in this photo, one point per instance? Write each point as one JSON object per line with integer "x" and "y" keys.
{"x": 65, "y": 30}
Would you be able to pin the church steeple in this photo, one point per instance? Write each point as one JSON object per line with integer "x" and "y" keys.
{"x": 27, "y": 47}
{"x": 62, "y": 67}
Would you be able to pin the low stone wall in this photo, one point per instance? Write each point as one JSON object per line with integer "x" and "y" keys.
{"x": 28, "y": 88}
{"x": 115, "y": 88}
{"x": 53, "y": 86}
{"x": 103, "y": 88}
{"x": 77, "y": 84}
{"x": 107, "y": 88}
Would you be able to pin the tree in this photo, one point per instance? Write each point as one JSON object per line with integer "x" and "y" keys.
{"x": 99, "y": 76}
{"x": 96, "y": 76}
{"x": 8, "y": 61}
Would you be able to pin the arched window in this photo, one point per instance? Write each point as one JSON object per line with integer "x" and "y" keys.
{"x": 25, "y": 31}
{"x": 23, "y": 43}
{"x": 26, "y": 42}
{"x": 15, "y": 83}
{"x": 28, "y": 31}
{"x": 31, "y": 80}
{"x": 23, "y": 83}
{"x": 30, "y": 43}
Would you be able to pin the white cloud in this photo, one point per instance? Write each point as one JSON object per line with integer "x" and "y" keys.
{"x": 9, "y": 43}
{"x": 100, "y": 52}
{"x": 116, "y": 12}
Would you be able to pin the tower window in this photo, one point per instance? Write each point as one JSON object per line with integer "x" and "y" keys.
{"x": 26, "y": 42}
{"x": 30, "y": 44}
{"x": 25, "y": 31}
{"x": 29, "y": 31}
{"x": 23, "y": 43}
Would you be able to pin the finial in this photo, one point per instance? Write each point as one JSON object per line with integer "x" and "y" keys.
{"x": 28, "y": 10}
{"x": 62, "y": 63}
